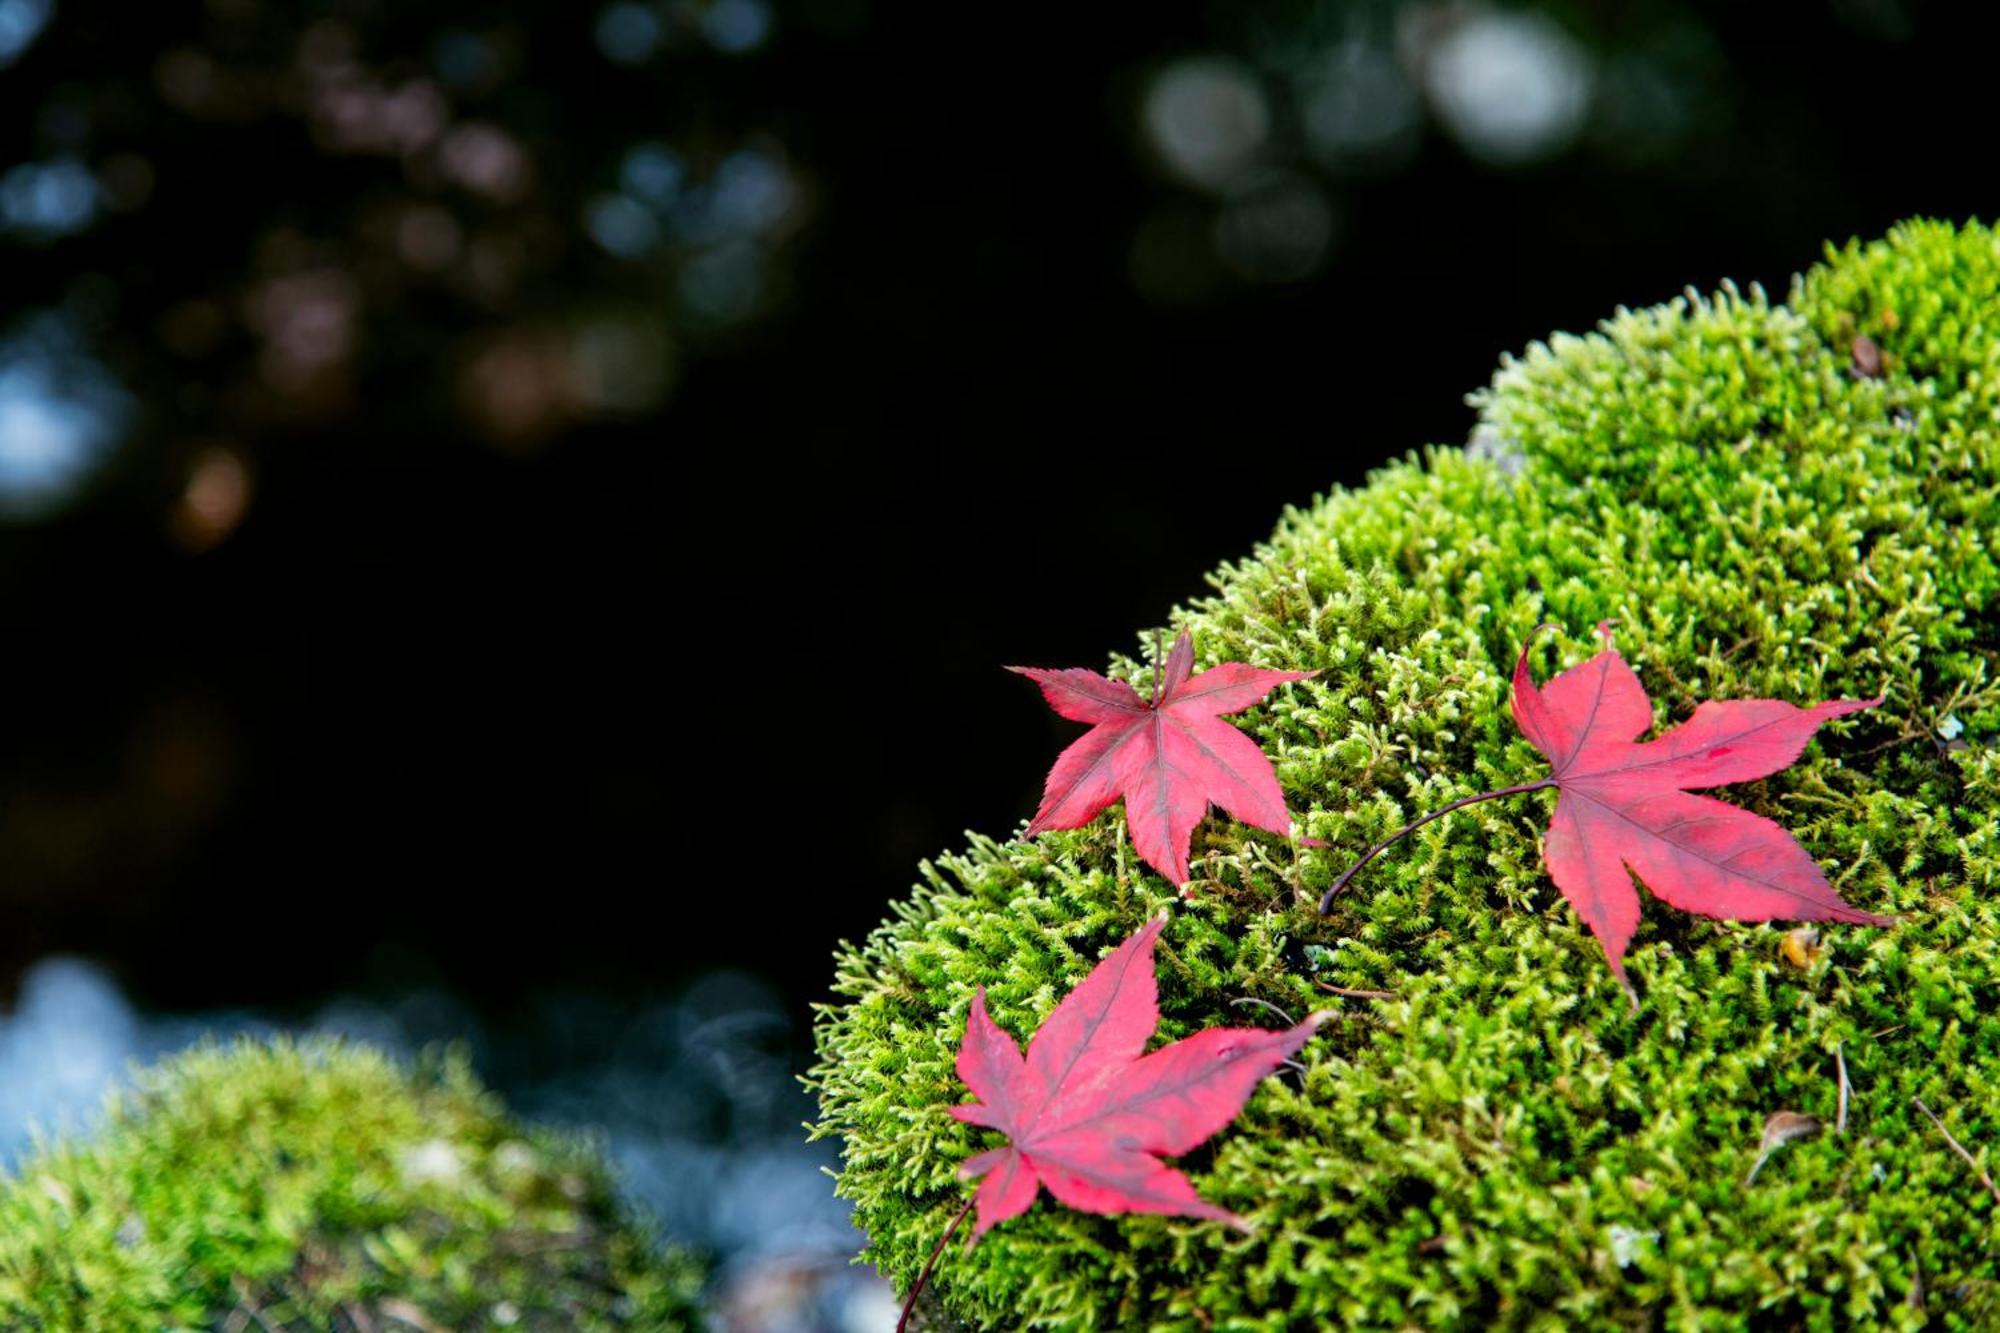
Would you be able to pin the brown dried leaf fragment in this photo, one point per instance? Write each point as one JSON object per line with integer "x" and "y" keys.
{"x": 1867, "y": 354}
{"x": 1780, "y": 1129}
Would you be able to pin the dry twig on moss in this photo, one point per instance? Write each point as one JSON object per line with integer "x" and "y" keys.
{"x": 1985, "y": 1178}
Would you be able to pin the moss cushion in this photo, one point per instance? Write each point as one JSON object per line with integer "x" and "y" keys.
{"x": 283, "y": 1188}
{"x": 1505, "y": 1143}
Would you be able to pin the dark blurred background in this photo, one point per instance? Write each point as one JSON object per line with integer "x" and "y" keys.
{"x": 524, "y": 504}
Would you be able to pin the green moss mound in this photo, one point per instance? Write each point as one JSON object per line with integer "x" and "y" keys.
{"x": 1505, "y": 1144}
{"x": 324, "y": 1187}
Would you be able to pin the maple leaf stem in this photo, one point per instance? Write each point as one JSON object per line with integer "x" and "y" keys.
{"x": 1326, "y": 899}
{"x": 930, "y": 1263}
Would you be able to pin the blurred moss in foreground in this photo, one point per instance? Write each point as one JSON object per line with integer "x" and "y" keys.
{"x": 323, "y": 1186}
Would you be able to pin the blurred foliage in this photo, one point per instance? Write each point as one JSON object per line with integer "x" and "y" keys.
{"x": 510, "y": 221}
{"x": 370, "y": 373}
{"x": 347, "y": 267}
{"x": 1301, "y": 106}
{"x": 298, "y": 213}
{"x": 321, "y": 1187}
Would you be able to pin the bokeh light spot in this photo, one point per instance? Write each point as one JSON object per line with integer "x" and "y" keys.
{"x": 1275, "y": 227}
{"x": 42, "y": 201}
{"x": 724, "y": 285}
{"x": 1359, "y": 110}
{"x": 519, "y": 386}
{"x": 622, "y": 225}
{"x": 652, "y": 172}
{"x": 623, "y": 365}
{"x": 308, "y": 323}
{"x": 751, "y": 192}
{"x": 486, "y": 160}
{"x": 214, "y": 499}
{"x": 629, "y": 33}
{"x": 1512, "y": 87}
{"x": 736, "y": 26}
{"x": 1207, "y": 119}
{"x": 21, "y": 21}
{"x": 61, "y": 416}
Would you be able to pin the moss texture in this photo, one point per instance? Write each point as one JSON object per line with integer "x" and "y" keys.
{"x": 1506, "y": 1144}
{"x": 277, "y": 1187}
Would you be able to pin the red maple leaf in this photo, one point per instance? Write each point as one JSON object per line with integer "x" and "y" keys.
{"x": 1622, "y": 803}
{"x": 1168, "y": 757}
{"x": 1088, "y": 1115}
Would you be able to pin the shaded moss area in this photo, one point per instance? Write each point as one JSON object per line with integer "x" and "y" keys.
{"x": 1505, "y": 1143}
{"x": 325, "y": 1187}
